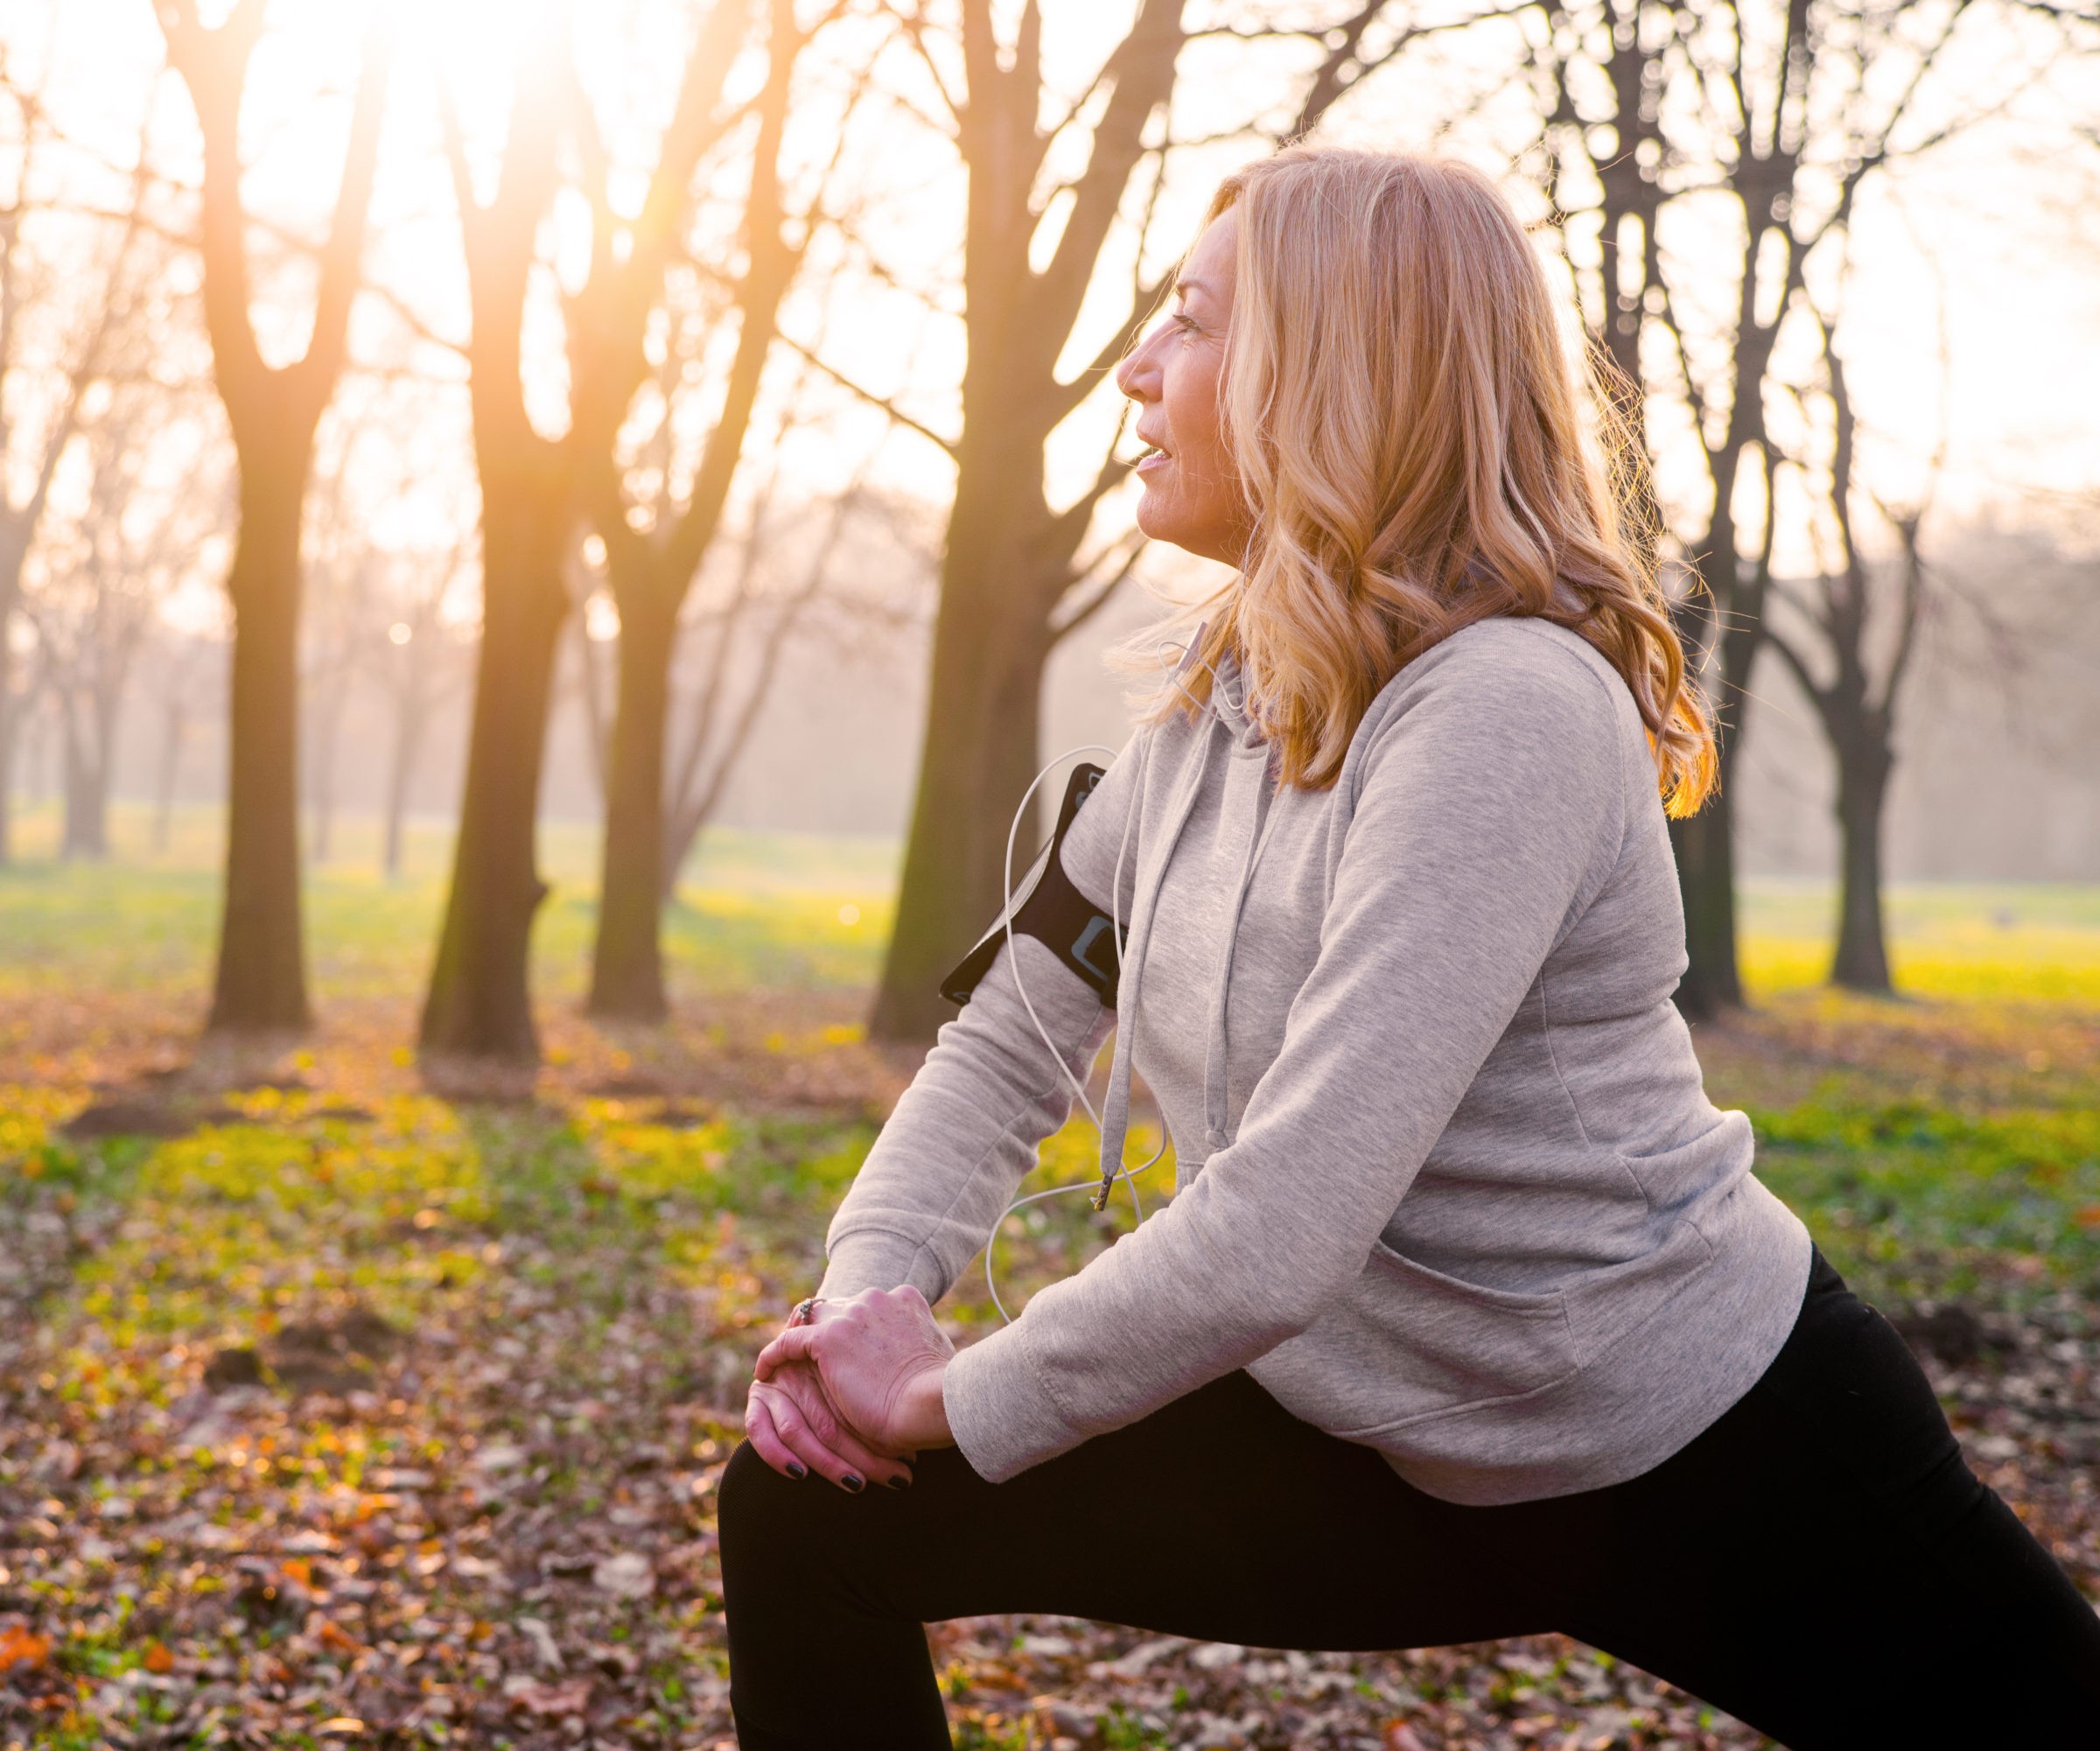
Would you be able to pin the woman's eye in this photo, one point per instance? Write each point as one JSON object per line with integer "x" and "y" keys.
{"x": 1183, "y": 323}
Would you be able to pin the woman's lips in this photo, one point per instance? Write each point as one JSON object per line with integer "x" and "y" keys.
{"x": 1151, "y": 460}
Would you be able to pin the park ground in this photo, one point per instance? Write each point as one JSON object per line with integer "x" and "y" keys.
{"x": 336, "y": 1410}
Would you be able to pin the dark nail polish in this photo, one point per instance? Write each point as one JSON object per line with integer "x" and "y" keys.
{"x": 853, "y": 1483}
{"x": 900, "y": 1483}
{"x": 797, "y": 1471}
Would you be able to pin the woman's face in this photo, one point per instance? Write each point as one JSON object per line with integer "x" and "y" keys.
{"x": 1192, "y": 496}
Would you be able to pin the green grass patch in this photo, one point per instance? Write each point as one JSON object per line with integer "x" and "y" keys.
{"x": 1913, "y": 1199}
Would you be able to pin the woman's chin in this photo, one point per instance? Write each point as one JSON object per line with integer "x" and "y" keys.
{"x": 1156, "y": 518}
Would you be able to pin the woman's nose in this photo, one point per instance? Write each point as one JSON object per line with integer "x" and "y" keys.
{"x": 1137, "y": 375}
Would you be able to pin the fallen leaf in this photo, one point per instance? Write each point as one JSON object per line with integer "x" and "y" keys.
{"x": 627, "y": 1574}
{"x": 158, "y": 1659}
{"x": 536, "y": 1630}
{"x": 20, "y": 1647}
{"x": 549, "y": 1702}
{"x": 333, "y": 1635}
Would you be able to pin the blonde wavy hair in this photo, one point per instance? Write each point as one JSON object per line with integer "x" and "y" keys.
{"x": 1410, "y": 434}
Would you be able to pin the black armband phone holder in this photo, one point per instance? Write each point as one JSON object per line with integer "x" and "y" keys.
{"x": 1053, "y": 912}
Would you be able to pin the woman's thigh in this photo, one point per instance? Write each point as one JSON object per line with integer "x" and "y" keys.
{"x": 1220, "y": 1516}
{"x": 1821, "y": 1564}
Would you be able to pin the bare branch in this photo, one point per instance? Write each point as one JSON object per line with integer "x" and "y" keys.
{"x": 1142, "y": 69}
{"x": 948, "y": 445}
{"x": 342, "y": 256}
{"x": 1065, "y": 620}
{"x": 912, "y": 27}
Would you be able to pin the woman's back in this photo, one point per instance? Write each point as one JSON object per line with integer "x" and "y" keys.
{"x": 1488, "y": 1159}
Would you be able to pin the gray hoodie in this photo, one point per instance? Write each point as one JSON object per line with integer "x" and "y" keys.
{"x": 1447, "y": 1181}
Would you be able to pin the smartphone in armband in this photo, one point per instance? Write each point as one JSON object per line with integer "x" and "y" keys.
{"x": 1053, "y": 912}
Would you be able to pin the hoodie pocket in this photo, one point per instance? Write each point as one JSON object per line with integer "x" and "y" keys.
{"x": 1408, "y": 1342}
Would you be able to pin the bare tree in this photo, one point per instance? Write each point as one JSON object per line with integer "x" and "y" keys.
{"x": 1019, "y": 571}
{"x": 758, "y": 620}
{"x": 20, "y": 517}
{"x": 479, "y": 1003}
{"x": 186, "y": 674}
{"x": 650, "y": 569}
{"x": 1013, "y": 577}
{"x": 1848, "y": 636}
{"x": 537, "y": 491}
{"x": 261, "y": 982}
{"x": 94, "y": 606}
{"x": 418, "y": 672}
{"x": 340, "y": 628}
{"x": 1658, "y": 118}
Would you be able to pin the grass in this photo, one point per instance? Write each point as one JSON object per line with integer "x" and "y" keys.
{"x": 1949, "y": 1132}
{"x": 767, "y": 910}
{"x": 2037, "y": 943}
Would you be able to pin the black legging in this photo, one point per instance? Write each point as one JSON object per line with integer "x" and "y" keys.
{"x": 1820, "y": 1563}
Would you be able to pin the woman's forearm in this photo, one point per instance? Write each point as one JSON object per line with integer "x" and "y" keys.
{"x": 965, "y": 1131}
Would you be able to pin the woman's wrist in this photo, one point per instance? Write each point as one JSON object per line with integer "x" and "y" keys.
{"x": 924, "y": 1411}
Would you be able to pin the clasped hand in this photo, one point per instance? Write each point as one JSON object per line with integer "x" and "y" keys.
{"x": 855, "y": 1394}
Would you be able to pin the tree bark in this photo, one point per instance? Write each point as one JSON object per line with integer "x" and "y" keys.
{"x": 174, "y": 723}
{"x": 980, "y": 749}
{"x": 400, "y": 767}
{"x": 260, "y": 983}
{"x": 479, "y": 1003}
{"x": 84, "y": 833}
{"x": 627, "y": 973}
{"x": 1704, "y": 844}
{"x": 1861, "y": 962}
{"x": 650, "y": 574}
{"x": 327, "y": 728}
{"x": 7, "y": 736}
{"x": 1009, "y": 558}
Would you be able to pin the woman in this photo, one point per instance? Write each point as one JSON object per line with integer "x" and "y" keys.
{"x": 1467, "y": 1319}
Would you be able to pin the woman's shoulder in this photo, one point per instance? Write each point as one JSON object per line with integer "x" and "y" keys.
{"x": 1519, "y": 654}
{"x": 1516, "y": 671}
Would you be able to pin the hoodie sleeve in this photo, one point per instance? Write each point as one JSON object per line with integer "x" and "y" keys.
{"x": 967, "y": 1127}
{"x": 1490, "y": 806}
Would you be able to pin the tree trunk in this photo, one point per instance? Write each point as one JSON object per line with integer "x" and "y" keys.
{"x": 479, "y": 1003}
{"x": 262, "y": 977}
{"x": 1705, "y": 846}
{"x": 979, "y": 751}
{"x": 327, "y": 734}
{"x": 7, "y": 741}
{"x": 1704, "y": 842}
{"x": 407, "y": 734}
{"x": 86, "y": 833}
{"x": 590, "y": 700}
{"x": 174, "y": 722}
{"x": 1861, "y": 962}
{"x": 627, "y": 973}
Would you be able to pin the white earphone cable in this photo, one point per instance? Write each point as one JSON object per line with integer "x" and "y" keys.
{"x": 1124, "y": 1172}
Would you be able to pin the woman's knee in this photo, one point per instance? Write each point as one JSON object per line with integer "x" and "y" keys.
{"x": 758, "y": 1514}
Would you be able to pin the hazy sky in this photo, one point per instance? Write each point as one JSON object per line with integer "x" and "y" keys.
{"x": 1972, "y": 318}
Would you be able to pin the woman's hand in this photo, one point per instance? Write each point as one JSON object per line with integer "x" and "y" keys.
{"x": 879, "y": 1356}
{"x": 796, "y": 1432}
